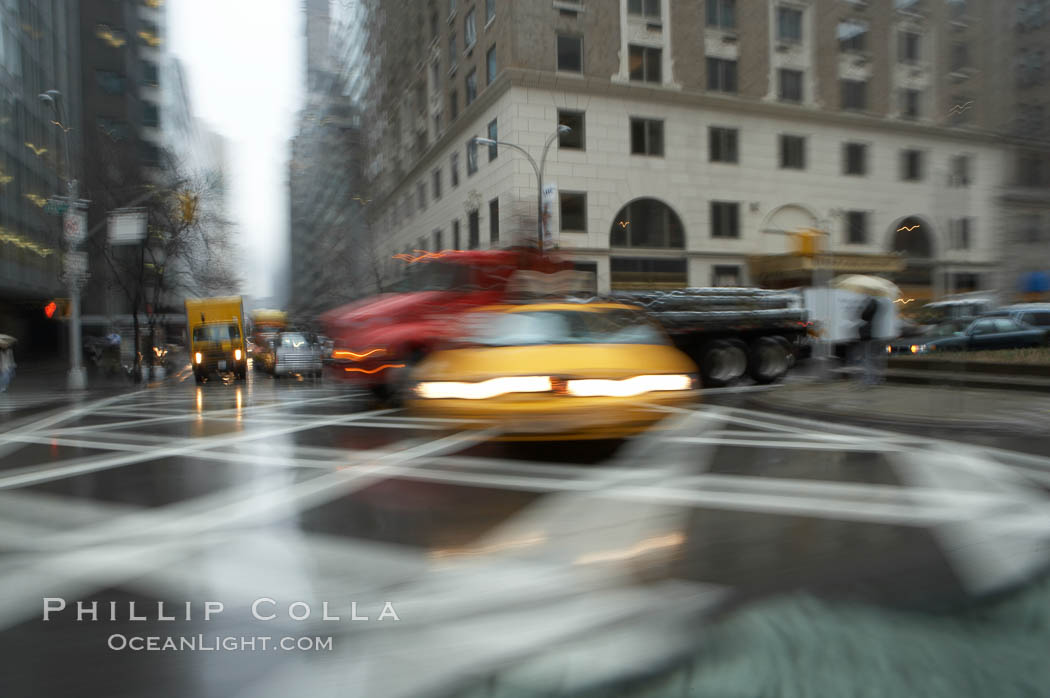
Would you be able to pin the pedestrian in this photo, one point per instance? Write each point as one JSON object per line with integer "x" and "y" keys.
{"x": 867, "y": 349}
{"x": 7, "y": 367}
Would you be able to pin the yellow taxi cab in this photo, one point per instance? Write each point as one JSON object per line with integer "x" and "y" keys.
{"x": 556, "y": 370}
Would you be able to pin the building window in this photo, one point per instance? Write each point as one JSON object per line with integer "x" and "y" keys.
{"x": 575, "y": 138}
{"x": 854, "y": 158}
{"x": 472, "y": 86}
{"x": 852, "y": 36}
{"x": 721, "y": 14}
{"x": 470, "y": 31}
{"x": 725, "y": 219}
{"x": 959, "y": 233}
{"x": 792, "y": 152}
{"x": 572, "y": 207}
{"x": 1031, "y": 170}
{"x": 455, "y": 234}
{"x": 721, "y": 75}
{"x": 150, "y": 114}
{"x": 647, "y": 223}
{"x": 434, "y": 24}
{"x": 494, "y": 222}
{"x": 435, "y": 179}
{"x": 110, "y": 82}
{"x": 490, "y": 10}
{"x": 650, "y": 9}
{"x": 453, "y": 169}
{"x": 452, "y": 53}
{"x": 789, "y": 88}
{"x": 909, "y": 47}
{"x": 453, "y": 105}
{"x": 150, "y": 154}
{"x": 857, "y": 227}
{"x": 439, "y": 243}
{"x": 910, "y": 104}
{"x": 959, "y": 176}
{"x": 725, "y": 276}
{"x": 473, "y": 231}
{"x": 960, "y": 56}
{"x": 647, "y": 137}
{"x": 472, "y": 157}
{"x": 570, "y": 53}
{"x": 451, "y": 8}
{"x": 421, "y": 196}
{"x": 644, "y": 63}
{"x": 911, "y": 165}
{"x": 640, "y": 273}
{"x": 493, "y": 135}
{"x": 115, "y": 129}
{"x": 854, "y": 94}
{"x": 789, "y": 24}
{"x": 490, "y": 65}
{"x": 150, "y": 74}
{"x": 722, "y": 144}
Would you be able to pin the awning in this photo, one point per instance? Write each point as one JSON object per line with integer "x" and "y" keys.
{"x": 1035, "y": 282}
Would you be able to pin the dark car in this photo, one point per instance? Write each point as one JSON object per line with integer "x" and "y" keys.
{"x": 998, "y": 331}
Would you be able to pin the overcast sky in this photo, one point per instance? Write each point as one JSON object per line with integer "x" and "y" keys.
{"x": 244, "y": 64}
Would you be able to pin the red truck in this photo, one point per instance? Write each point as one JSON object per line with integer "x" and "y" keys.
{"x": 378, "y": 340}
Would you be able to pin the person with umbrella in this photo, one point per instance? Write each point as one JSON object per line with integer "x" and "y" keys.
{"x": 7, "y": 361}
{"x": 875, "y": 291}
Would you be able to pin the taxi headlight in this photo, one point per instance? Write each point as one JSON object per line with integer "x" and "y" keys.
{"x": 484, "y": 389}
{"x": 197, "y": 357}
{"x": 236, "y": 354}
{"x": 628, "y": 387}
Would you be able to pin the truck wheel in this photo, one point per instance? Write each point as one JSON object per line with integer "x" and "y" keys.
{"x": 768, "y": 361}
{"x": 718, "y": 363}
{"x": 738, "y": 359}
{"x": 198, "y": 377}
{"x": 789, "y": 348}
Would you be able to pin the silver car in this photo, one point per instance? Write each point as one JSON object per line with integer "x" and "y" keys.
{"x": 294, "y": 352}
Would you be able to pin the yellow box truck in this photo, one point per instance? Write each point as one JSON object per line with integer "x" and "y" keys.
{"x": 215, "y": 331}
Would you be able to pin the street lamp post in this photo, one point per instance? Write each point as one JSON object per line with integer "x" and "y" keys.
{"x": 77, "y": 378}
{"x": 538, "y": 169}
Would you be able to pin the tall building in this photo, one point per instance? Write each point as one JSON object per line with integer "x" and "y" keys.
{"x": 121, "y": 65}
{"x": 327, "y": 195}
{"x": 38, "y": 43}
{"x": 702, "y": 134}
{"x": 1024, "y": 32}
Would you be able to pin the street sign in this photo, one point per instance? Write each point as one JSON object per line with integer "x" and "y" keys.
{"x": 75, "y": 268}
{"x": 56, "y": 206}
{"x": 550, "y": 193}
{"x": 127, "y": 226}
{"x": 74, "y": 226}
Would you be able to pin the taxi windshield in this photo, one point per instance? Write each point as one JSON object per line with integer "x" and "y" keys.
{"x": 563, "y": 327}
{"x": 216, "y": 333}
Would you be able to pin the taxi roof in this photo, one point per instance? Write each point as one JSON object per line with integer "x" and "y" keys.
{"x": 591, "y": 307}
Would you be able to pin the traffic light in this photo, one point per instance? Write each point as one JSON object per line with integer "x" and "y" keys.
{"x": 57, "y": 308}
{"x": 188, "y": 204}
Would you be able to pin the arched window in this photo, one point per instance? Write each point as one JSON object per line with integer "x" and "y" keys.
{"x": 647, "y": 223}
{"x": 912, "y": 238}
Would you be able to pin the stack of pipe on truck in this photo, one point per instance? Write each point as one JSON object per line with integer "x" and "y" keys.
{"x": 730, "y": 332}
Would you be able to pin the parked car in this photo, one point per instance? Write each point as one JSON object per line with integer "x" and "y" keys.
{"x": 291, "y": 353}
{"x": 995, "y": 331}
{"x": 1034, "y": 314}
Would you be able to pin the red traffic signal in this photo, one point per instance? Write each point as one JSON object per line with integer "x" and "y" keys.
{"x": 50, "y": 309}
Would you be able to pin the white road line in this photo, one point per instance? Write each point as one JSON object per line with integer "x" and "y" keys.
{"x": 36, "y": 474}
{"x": 189, "y": 416}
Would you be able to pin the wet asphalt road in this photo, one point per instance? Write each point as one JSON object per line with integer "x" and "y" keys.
{"x": 466, "y": 557}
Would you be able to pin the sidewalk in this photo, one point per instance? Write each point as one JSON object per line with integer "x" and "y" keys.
{"x": 976, "y": 408}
